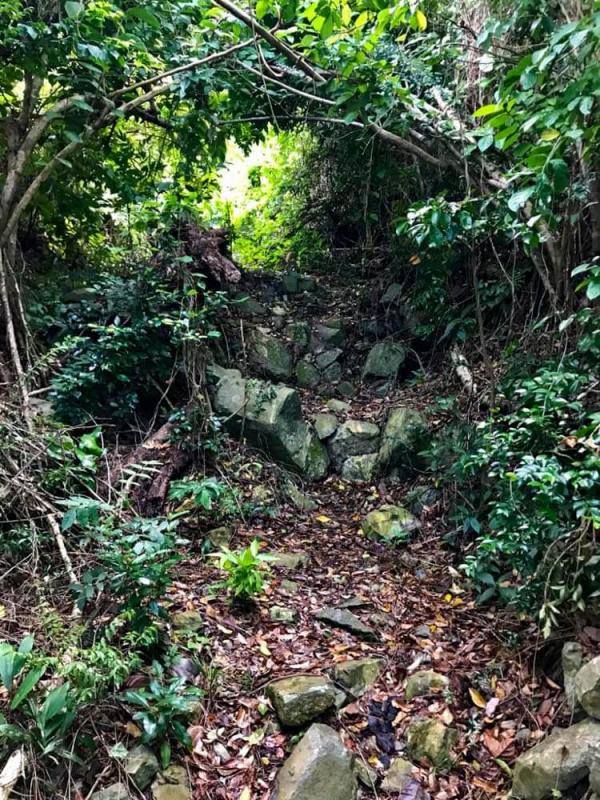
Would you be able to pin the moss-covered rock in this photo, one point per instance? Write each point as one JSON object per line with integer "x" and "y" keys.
{"x": 424, "y": 682}
{"x": 403, "y": 438}
{"x": 353, "y": 438}
{"x": 389, "y": 522}
{"x": 384, "y": 360}
{"x": 307, "y": 375}
{"x": 431, "y": 739}
{"x": 587, "y": 687}
{"x": 357, "y": 674}
{"x": 359, "y": 469}
{"x": 301, "y": 699}
{"x": 270, "y": 355}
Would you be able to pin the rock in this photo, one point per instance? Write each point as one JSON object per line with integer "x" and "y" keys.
{"x": 288, "y": 586}
{"x": 392, "y": 523}
{"x": 249, "y": 307}
{"x": 325, "y": 425}
{"x": 421, "y": 497}
{"x": 338, "y": 406}
{"x": 391, "y": 294}
{"x": 290, "y": 560}
{"x": 328, "y": 337}
{"x": 307, "y": 375}
{"x": 219, "y": 537}
{"x": 270, "y": 417}
{"x": 402, "y": 440}
{"x": 332, "y": 374}
{"x": 587, "y": 687}
{"x": 172, "y": 784}
{"x": 357, "y": 674}
{"x": 306, "y": 283}
{"x": 187, "y": 620}
{"x": 301, "y": 699}
{"x": 270, "y": 355}
{"x": 116, "y": 791}
{"x": 353, "y": 438}
{"x": 359, "y": 468}
{"x": 342, "y": 618}
{"x": 290, "y": 282}
{"x": 558, "y": 762}
{"x": 365, "y": 775}
{"x": 346, "y": 389}
{"x": 424, "y": 682}
{"x": 431, "y": 739}
{"x": 299, "y": 334}
{"x": 398, "y": 776}
{"x": 572, "y": 660}
{"x": 262, "y": 496}
{"x": 423, "y": 632}
{"x": 327, "y": 357}
{"x": 141, "y": 766}
{"x": 319, "y": 768}
{"x": 595, "y": 774}
{"x": 384, "y": 360}
{"x": 281, "y": 614}
{"x": 300, "y": 499}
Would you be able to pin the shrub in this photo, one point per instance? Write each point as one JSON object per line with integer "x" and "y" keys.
{"x": 245, "y": 570}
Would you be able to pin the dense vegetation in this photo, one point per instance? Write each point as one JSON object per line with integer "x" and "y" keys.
{"x": 449, "y": 147}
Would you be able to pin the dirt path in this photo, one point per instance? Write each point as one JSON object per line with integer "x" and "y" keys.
{"x": 423, "y": 618}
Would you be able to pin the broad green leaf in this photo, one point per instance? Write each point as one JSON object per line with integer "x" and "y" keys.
{"x": 73, "y": 8}
{"x": 485, "y": 111}
{"x": 27, "y": 684}
{"x": 421, "y": 20}
{"x": 518, "y": 199}
{"x": 549, "y": 135}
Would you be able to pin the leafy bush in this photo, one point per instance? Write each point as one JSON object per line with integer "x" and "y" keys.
{"x": 209, "y": 494}
{"x": 165, "y": 707}
{"x": 245, "y": 570}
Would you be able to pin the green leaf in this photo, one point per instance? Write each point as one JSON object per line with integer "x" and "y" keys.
{"x": 145, "y": 15}
{"x": 262, "y": 8}
{"x": 485, "y": 111}
{"x": 421, "y": 20}
{"x": 73, "y": 8}
{"x": 27, "y": 684}
{"x": 518, "y": 199}
{"x": 549, "y": 135}
{"x": 593, "y": 289}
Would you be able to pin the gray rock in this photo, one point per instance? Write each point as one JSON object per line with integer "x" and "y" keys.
{"x": 338, "y": 406}
{"x": 423, "y": 632}
{"x": 172, "y": 784}
{"x": 403, "y": 438}
{"x": 301, "y": 699}
{"x": 270, "y": 355}
{"x": 306, "y": 283}
{"x": 325, "y": 425}
{"x": 290, "y": 282}
{"x": 595, "y": 773}
{"x": 270, "y": 417}
{"x": 398, "y": 776}
{"x": 299, "y": 334}
{"x": 288, "y": 586}
{"x": 365, "y": 775}
{"x": 384, "y": 360}
{"x": 558, "y": 762}
{"x": 332, "y": 374}
{"x": 281, "y": 614}
{"x": 187, "y": 620}
{"x": 353, "y": 438}
{"x": 389, "y": 522}
{"x": 342, "y": 618}
{"x": 290, "y": 560}
{"x": 307, "y": 375}
{"x": 421, "y": 497}
{"x": 431, "y": 739}
{"x": 327, "y": 357}
{"x": 346, "y": 389}
{"x": 141, "y": 766}
{"x": 572, "y": 660}
{"x": 116, "y": 791}
{"x": 357, "y": 674}
{"x": 587, "y": 687}
{"x": 391, "y": 294}
{"x": 359, "y": 468}
{"x": 249, "y": 307}
{"x": 220, "y": 537}
{"x": 424, "y": 682}
{"x": 319, "y": 768}
{"x": 324, "y": 336}
{"x": 300, "y": 499}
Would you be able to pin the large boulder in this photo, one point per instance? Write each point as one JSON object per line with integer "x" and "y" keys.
{"x": 270, "y": 417}
{"x": 270, "y": 355}
{"x": 384, "y": 360}
{"x": 319, "y": 767}
{"x": 389, "y": 522}
{"x": 301, "y": 699}
{"x": 353, "y": 438}
{"x": 403, "y": 438}
{"x": 359, "y": 469}
{"x": 587, "y": 687}
{"x": 572, "y": 661}
{"x": 560, "y": 761}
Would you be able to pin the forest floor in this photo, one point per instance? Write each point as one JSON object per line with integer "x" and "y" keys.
{"x": 412, "y": 595}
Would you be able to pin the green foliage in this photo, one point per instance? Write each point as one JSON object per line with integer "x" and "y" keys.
{"x": 165, "y": 707}
{"x": 208, "y": 494}
{"x": 73, "y": 460}
{"x": 245, "y": 570}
